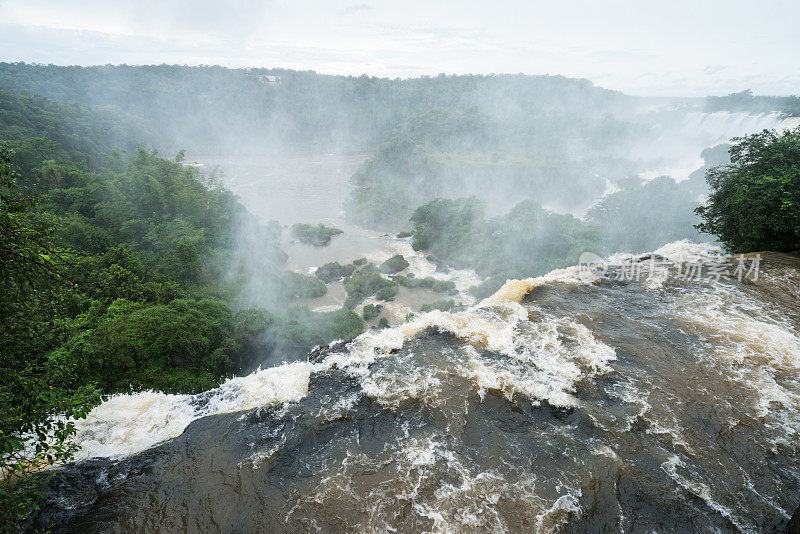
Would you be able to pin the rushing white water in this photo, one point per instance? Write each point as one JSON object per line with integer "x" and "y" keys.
{"x": 129, "y": 423}
{"x": 544, "y": 368}
{"x": 579, "y": 399}
{"x": 543, "y": 360}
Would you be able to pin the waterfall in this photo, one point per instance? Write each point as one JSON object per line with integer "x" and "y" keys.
{"x": 721, "y": 126}
{"x": 681, "y": 136}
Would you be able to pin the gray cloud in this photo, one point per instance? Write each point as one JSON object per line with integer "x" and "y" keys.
{"x": 683, "y": 48}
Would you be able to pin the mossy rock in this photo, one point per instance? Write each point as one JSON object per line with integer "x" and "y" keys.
{"x": 331, "y": 272}
{"x": 442, "y": 305}
{"x": 395, "y": 264}
{"x": 318, "y": 235}
{"x": 367, "y": 281}
{"x": 386, "y": 293}
{"x": 439, "y": 286}
{"x": 370, "y": 312}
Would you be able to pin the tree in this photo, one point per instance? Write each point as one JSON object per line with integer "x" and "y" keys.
{"x": 755, "y": 201}
{"x": 37, "y": 398}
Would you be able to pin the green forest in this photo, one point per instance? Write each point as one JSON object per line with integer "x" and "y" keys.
{"x": 217, "y": 108}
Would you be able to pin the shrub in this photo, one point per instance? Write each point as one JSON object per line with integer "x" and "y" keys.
{"x": 755, "y": 201}
{"x": 394, "y": 264}
{"x": 294, "y": 334}
{"x": 386, "y": 292}
{"x": 318, "y": 235}
{"x": 444, "y": 286}
{"x": 442, "y": 305}
{"x": 168, "y": 347}
{"x": 528, "y": 239}
{"x": 333, "y": 271}
{"x": 365, "y": 282}
{"x": 438, "y": 286}
{"x": 370, "y": 312}
{"x": 489, "y": 286}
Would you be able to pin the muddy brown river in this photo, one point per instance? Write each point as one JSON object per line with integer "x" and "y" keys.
{"x": 581, "y": 401}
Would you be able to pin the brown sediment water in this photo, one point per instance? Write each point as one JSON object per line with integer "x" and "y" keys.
{"x": 574, "y": 402}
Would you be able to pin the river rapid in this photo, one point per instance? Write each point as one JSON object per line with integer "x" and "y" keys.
{"x": 580, "y": 401}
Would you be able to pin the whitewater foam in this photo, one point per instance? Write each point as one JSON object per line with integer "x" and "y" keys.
{"x": 128, "y": 423}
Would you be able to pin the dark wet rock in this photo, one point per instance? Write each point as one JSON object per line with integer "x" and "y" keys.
{"x": 794, "y": 523}
{"x": 624, "y": 457}
{"x": 536, "y": 294}
{"x": 640, "y": 424}
{"x": 658, "y": 258}
{"x": 519, "y": 415}
{"x": 223, "y": 470}
{"x": 323, "y": 350}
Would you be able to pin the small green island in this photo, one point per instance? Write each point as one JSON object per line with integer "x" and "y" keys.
{"x": 317, "y": 235}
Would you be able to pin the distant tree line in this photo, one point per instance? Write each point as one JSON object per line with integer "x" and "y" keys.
{"x": 747, "y": 101}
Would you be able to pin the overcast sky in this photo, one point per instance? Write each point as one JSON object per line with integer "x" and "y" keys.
{"x": 648, "y": 47}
